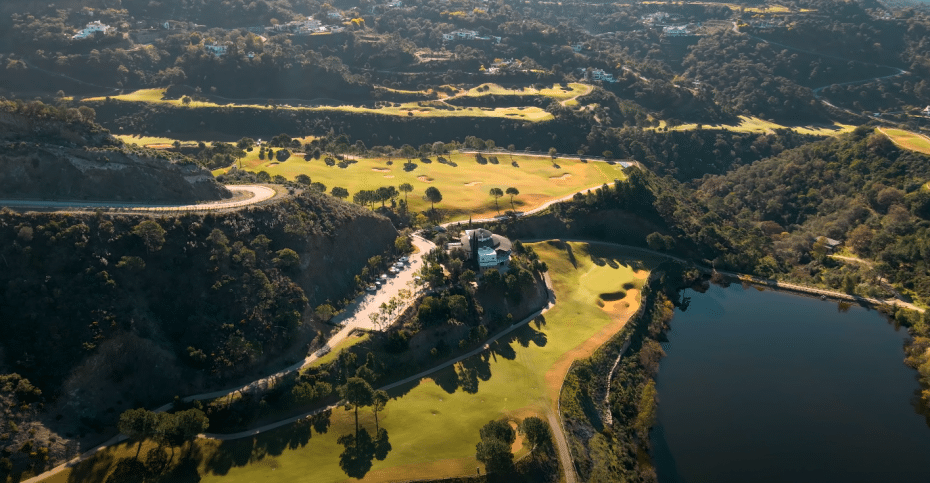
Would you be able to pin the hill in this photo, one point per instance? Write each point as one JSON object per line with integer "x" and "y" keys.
{"x": 132, "y": 311}
{"x": 60, "y": 153}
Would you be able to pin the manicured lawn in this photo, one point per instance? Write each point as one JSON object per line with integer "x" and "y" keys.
{"x": 464, "y": 187}
{"x": 754, "y": 124}
{"x": 152, "y": 141}
{"x": 529, "y": 113}
{"x": 556, "y": 92}
{"x": 908, "y": 140}
{"x": 433, "y": 423}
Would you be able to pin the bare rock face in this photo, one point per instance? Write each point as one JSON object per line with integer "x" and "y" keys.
{"x": 50, "y": 172}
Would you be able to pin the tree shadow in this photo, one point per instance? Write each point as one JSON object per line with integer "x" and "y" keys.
{"x": 128, "y": 470}
{"x": 528, "y": 334}
{"x": 468, "y": 379}
{"x": 358, "y": 454}
{"x": 93, "y": 469}
{"x": 446, "y": 378}
{"x": 382, "y": 445}
{"x": 504, "y": 350}
{"x": 240, "y": 452}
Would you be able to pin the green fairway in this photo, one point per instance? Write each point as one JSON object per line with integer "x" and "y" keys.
{"x": 409, "y": 109}
{"x": 433, "y": 423}
{"x": 908, "y": 140}
{"x": 464, "y": 187}
{"x": 556, "y": 92}
{"x": 756, "y": 125}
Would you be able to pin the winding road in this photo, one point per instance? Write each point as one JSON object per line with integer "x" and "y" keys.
{"x": 816, "y": 91}
{"x": 357, "y": 316}
{"x": 255, "y": 193}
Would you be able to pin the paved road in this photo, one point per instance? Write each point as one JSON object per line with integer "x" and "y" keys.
{"x": 256, "y": 194}
{"x": 816, "y": 92}
{"x": 355, "y": 316}
{"x": 407, "y": 380}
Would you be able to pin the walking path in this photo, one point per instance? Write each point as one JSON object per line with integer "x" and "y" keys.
{"x": 256, "y": 194}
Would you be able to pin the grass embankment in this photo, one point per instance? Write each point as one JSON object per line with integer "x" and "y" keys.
{"x": 756, "y": 125}
{"x": 908, "y": 140}
{"x": 433, "y": 423}
{"x": 410, "y": 109}
{"x": 464, "y": 187}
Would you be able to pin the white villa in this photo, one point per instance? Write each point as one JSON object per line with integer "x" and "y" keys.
{"x": 676, "y": 31}
{"x": 468, "y": 35}
{"x": 600, "y": 75}
{"x": 215, "y": 49}
{"x": 91, "y": 29}
{"x": 488, "y": 249}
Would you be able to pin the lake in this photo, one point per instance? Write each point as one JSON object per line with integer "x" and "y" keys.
{"x": 765, "y": 386}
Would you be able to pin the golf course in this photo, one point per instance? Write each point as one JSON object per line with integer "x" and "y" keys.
{"x": 463, "y": 182}
{"x": 432, "y": 423}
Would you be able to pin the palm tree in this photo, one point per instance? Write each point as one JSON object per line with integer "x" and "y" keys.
{"x": 496, "y": 193}
{"x": 512, "y": 192}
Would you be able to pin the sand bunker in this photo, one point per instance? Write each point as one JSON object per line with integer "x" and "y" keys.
{"x": 564, "y": 176}
{"x": 389, "y": 176}
{"x": 425, "y": 179}
{"x": 473, "y": 183}
{"x": 272, "y": 164}
{"x": 381, "y": 170}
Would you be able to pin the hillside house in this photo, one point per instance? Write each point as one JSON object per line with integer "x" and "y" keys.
{"x": 215, "y": 49}
{"x": 599, "y": 75}
{"x": 486, "y": 248}
{"x": 676, "y": 31}
{"x": 91, "y": 29}
{"x": 926, "y": 111}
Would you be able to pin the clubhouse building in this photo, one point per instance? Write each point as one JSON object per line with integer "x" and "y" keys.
{"x": 487, "y": 249}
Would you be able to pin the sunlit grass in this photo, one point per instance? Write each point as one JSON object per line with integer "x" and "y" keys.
{"x": 756, "y": 125}
{"x": 409, "y": 109}
{"x": 464, "y": 187}
{"x": 908, "y": 140}
{"x": 433, "y": 423}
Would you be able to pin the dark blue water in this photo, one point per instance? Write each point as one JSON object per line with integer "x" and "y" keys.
{"x": 772, "y": 387}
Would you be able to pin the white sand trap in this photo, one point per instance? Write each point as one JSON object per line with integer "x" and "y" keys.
{"x": 564, "y": 176}
{"x": 473, "y": 183}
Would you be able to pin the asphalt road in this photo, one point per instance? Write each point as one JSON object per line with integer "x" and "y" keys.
{"x": 257, "y": 194}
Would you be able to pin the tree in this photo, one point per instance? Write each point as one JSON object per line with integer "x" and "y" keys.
{"x": 189, "y": 424}
{"x": 137, "y": 424}
{"x": 340, "y": 192}
{"x": 325, "y": 312}
{"x": 512, "y": 192}
{"x": 151, "y": 233}
{"x": 357, "y": 393}
{"x": 496, "y": 193}
{"x": 646, "y": 414}
{"x": 433, "y": 196}
{"x": 405, "y": 188}
{"x": 552, "y": 153}
{"x": 379, "y": 399}
{"x": 303, "y": 179}
{"x": 287, "y": 258}
{"x": 494, "y": 448}
{"x": 537, "y": 432}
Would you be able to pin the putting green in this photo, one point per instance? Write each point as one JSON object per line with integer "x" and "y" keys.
{"x": 464, "y": 187}
{"x": 433, "y": 423}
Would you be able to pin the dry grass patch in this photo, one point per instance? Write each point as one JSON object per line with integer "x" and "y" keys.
{"x": 908, "y": 140}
